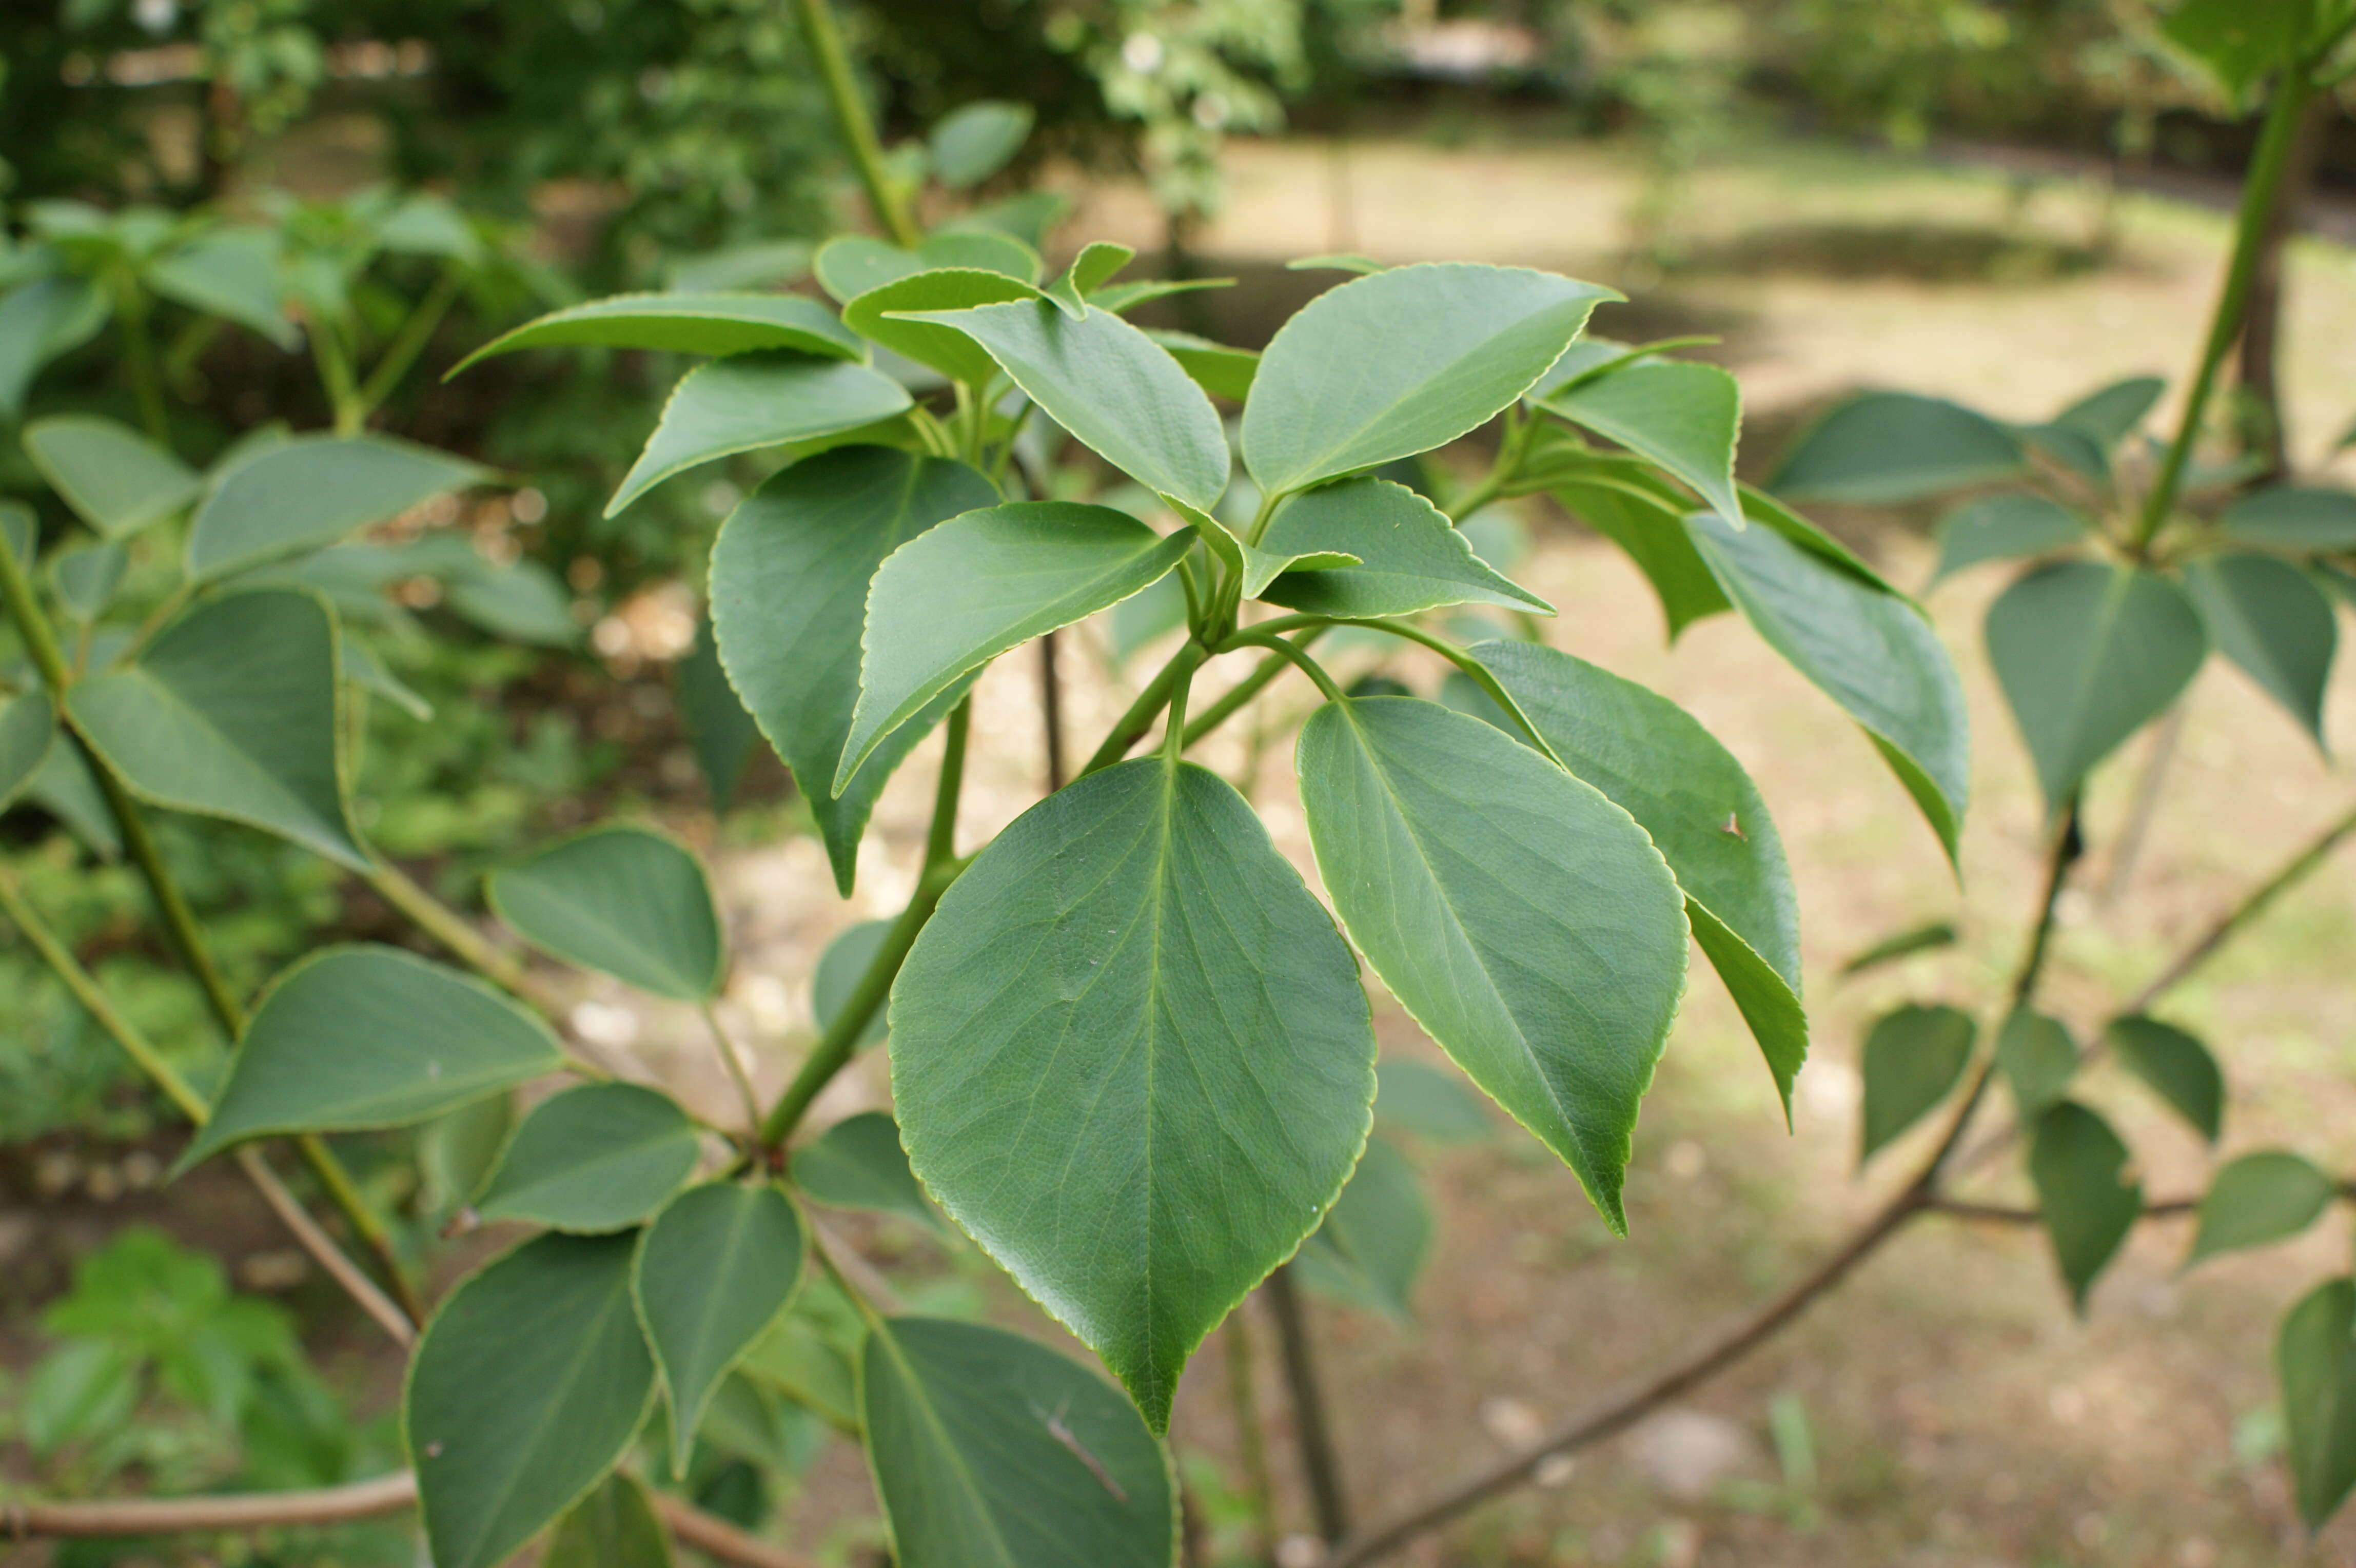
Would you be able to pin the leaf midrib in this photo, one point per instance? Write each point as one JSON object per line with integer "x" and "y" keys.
{"x": 922, "y": 1399}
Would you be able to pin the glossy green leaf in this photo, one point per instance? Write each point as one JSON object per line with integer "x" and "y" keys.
{"x": 370, "y": 1036}
{"x": 840, "y": 969}
{"x": 876, "y": 315}
{"x": 2039, "y": 1059}
{"x": 1118, "y": 393}
{"x": 312, "y": 490}
{"x": 1654, "y": 761}
{"x": 2293, "y": 517}
{"x": 724, "y": 735}
{"x": 1912, "y": 1059}
{"x": 789, "y": 581}
{"x": 2087, "y": 655}
{"x": 1401, "y": 362}
{"x": 1410, "y": 557}
{"x": 598, "y": 1156}
{"x": 2257, "y": 1199}
{"x": 1883, "y": 447}
{"x": 2175, "y": 1065}
{"x": 525, "y": 1389}
{"x": 115, "y": 479}
{"x": 850, "y": 265}
{"x": 1683, "y": 416}
{"x": 38, "y": 321}
{"x": 991, "y": 1452}
{"x": 768, "y": 398}
{"x": 685, "y": 323}
{"x": 29, "y": 728}
{"x": 2271, "y": 618}
{"x": 85, "y": 578}
{"x": 1519, "y": 915}
{"x": 1376, "y": 1240}
{"x": 1870, "y": 652}
{"x": 973, "y": 142}
{"x": 1132, "y": 1058}
{"x": 230, "y": 273}
{"x": 2081, "y": 1172}
{"x": 613, "y": 1527}
{"x": 1653, "y": 535}
{"x": 858, "y": 1164}
{"x": 2109, "y": 415}
{"x": 2240, "y": 40}
{"x": 234, "y": 711}
{"x": 2315, "y": 1363}
{"x": 1429, "y": 1102}
{"x": 2003, "y": 528}
{"x": 962, "y": 592}
{"x": 625, "y": 901}
{"x": 1217, "y": 369}
{"x": 714, "y": 1272}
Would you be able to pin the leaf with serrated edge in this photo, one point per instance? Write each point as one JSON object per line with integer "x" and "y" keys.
{"x": 684, "y": 323}
{"x": 768, "y": 398}
{"x": 1409, "y": 556}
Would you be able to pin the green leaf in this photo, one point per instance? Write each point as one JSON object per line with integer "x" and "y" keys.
{"x": 1410, "y": 557}
{"x": 2039, "y": 1059}
{"x": 962, "y": 592}
{"x": 2003, "y": 528}
{"x": 1090, "y": 271}
{"x": 746, "y": 401}
{"x": 1375, "y": 1238}
{"x": 840, "y": 969}
{"x": 2111, "y": 413}
{"x": 20, "y": 531}
{"x": 85, "y": 578}
{"x": 1402, "y": 361}
{"x": 1335, "y": 262}
{"x": 1145, "y": 618}
{"x": 115, "y": 479}
{"x": 1429, "y": 1102}
{"x": 1026, "y": 217}
{"x": 2257, "y": 1199}
{"x": 1132, "y": 1058}
{"x": 229, "y": 273}
{"x": 1654, "y": 761}
{"x": 2315, "y": 1360}
{"x": 525, "y": 1389}
{"x": 684, "y": 323}
{"x": 714, "y": 1272}
{"x": 1683, "y": 416}
{"x": 38, "y": 321}
{"x": 2087, "y": 655}
{"x": 1883, "y": 447}
{"x": 2080, "y": 1170}
{"x": 722, "y": 732}
{"x": 991, "y": 1452}
{"x": 521, "y": 601}
{"x": 2241, "y": 41}
{"x": 2293, "y": 517}
{"x": 878, "y": 316}
{"x": 598, "y": 1156}
{"x": 312, "y": 490}
{"x": 757, "y": 263}
{"x": 63, "y": 787}
{"x": 613, "y": 1527}
{"x": 85, "y": 1388}
{"x": 458, "y": 1151}
{"x": 858, "y": 1164}
{"x": 1123, "y": 297}
{"x": 971, "y": 144}
{"x": 1217, "y": 369}
{"x": 1653, "y": 535}
{"x": 625, "y": 901}
{"x": 2175, "y": 1065}
{"x": 789, "y": 583}
{"x": 1912, "y": 1059}
{"x": 1521, "y": 917}
{"x": 28, "y": 727}
{"x": 1871, "y": 653}
{"x": 1118, "y": 391}
{"x": 850, "y": 265}
{"x": 234, "y": 711}
{"x": 369, "y": 1037}
{"x": 810, "y": 1355}
{"x": 2269, "y": 617}
{"x": 1905, "y": 944}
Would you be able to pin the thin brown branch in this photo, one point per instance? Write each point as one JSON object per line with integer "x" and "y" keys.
{"x": 323, "y": 1251}
{"x": 716, "y": 1537}
{"x": 2293, "y": 871}
{"x": 1320, "y": 1466}
{"x": 853, "y": 1265}
{"x": 2007, "y": 1214}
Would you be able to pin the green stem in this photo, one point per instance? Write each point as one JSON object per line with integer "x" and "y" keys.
{"x": 336, "y": 376}
{"x": 139, "y": 357}
{"x": 446, "y": 926}
{"x": 1286, "y": 651}
{"x": 1511, "y": 451}
{"x": 734, "y": 1062}
{"x": 1230, "y": 700}
{"x": 941, "y": 839}
{"x": 1130, "y": 728}
{"x": 2267, "y": 165}
{"x": 415, "y": 333}
{"x": 1474, "y": 670}
{"x": 857, "y": 129}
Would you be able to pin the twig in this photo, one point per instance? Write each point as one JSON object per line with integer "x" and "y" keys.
{"x": 714, "y": 1535}
{"x": 734, "y": 1062}
{"x": 1251, "y": 1445}
{"x": 2007, "y": 1214}
{"x": 2241, "y": 914}
{"x": 1319, "y": 1463}
{"x": 848, "y": 1262}
{"x": 323, "y": 1251}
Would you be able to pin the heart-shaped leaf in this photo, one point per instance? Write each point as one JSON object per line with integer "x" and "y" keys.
{"x": 312, "y": 490}
{"x": 1912, "y": 1059}
{"x": 2083, "y": 1191}
{"x": 858, "y": 1164}
{"x": 2003, "y": 528}
{"x": 1410, "y": 557}
{"x": 767, "y": 398}
{"x": 624, "y": 901}
{"x": 2177, "y": 1065}
{"x": 598, "y": 1156}
{"x": 684, "y": 323}
{"x": 2258, "y": 1199}
{"x": 116, "y": 479}
{"x": 877, "y": 315}
{"x": 1883, "y": 447}
{"x": 2269, "y": 617}
{"x": 1132, "y": 1058}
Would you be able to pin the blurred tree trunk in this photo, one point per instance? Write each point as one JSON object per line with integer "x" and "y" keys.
{"x": 2264, "y": 432}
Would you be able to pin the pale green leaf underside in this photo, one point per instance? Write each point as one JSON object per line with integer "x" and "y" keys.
{"x": 1409, "y": 556}
{"x": 624, "y": 901}
{"x": 599, "y": 1156}
{"x": 767, "y": 398}
{"x": 1683, "y": 416}
{"x": 313, "y": 490}
{"x": 714, "y": 1272}
{"x": 685, "y": 323}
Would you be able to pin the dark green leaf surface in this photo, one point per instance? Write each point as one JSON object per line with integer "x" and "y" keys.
{"x": 28, "y": 727}
{"x": 613, "y": 1527}
{"x": 2081, "y": 1172}
{"x": 2003, "y": 528}
{"x": 2257, "y": 1199}
{"x": 1118, "y": 393}
{"x": 2039, "y": 1059}
{"x": 2294, "y": 517}
{"x": 370, "y": 1037}
{"x": 312, "y": 490}
{"x": 525, "y": 1389}
{"x": 115, "y": 479}
{"x": 234, "y": 711}
{"x": 991, "y": 1452}
{"x": 600, "y": 1156}
{"x": 971, "y": 142}
{"x": 1410, "y": 557}
{"x": 850, "y": 265}
{"x": 945, "y": 348}
{"x": 2175, "y": 1065}
{"x": 1871, "y": 653}
{"x": 2269, "y": 617}
{"x": 2087, "y": 655}
{"x": 840, "y": 969}
{"x": 746, "y": 401}
{"x": 722, "y": 733}
{"x": 1402, "y": 361}
{"x": 1429, "y": 1102}
{"x": 1375, "y": 1238}
{"x": 1519, "y": 915}
{"x": 714, "y": 1272}
{"x": 685, "y": 323}
{"x": 789, "y": 581}
{"x": 858, "y": 1164}
{"x": 1132, "y": 1058}
{"x": 1654, "y": 761}
{"x": 1881, "y": 449}
{"x": 959, "y": 594}
{"x": 1684, "y": 416}
{"x": 2315, "y": 1363}
{"x": 625, "y": 901}
{"x": 1653, "y": 536}
{"x": 1912, "y": 1060}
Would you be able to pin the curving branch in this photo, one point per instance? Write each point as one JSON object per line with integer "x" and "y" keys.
{"x": 2294, "y": 871}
